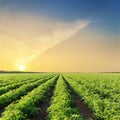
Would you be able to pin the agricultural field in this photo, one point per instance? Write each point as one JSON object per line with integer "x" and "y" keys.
{"x": 66, "y": 96}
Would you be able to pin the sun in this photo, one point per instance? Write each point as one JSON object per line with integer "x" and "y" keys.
{"x": 21, "y": 67}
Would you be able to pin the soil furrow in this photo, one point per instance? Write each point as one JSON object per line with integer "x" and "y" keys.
{"x": 44, "y": 105}
{"x": 79, "y": 104}
{"x": 1, "y": 110}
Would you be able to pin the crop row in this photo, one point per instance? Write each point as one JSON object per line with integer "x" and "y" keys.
{"x": 26, "y": 106}
{"x": 15, "y": 94}
{"x": 8, "y": 79}
{"x": 60, "y": 108}
{"x": 6, "y": 88}
{"x": 100, "y": 103}
{"x": 18, "y": 84}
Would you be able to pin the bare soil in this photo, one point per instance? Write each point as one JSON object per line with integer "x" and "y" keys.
{"x": 1, "y": 110}
{"x": 44, "y": 105}
{"x": 80, "y": 105}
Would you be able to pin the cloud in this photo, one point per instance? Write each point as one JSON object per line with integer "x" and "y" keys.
{"x": 25, "y": 36}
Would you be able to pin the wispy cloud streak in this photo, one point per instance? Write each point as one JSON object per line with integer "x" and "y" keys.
{"x": 31, "y": 35}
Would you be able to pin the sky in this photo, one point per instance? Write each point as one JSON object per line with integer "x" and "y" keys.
{"x": 60, "y": 35}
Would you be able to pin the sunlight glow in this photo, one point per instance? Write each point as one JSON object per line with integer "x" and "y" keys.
{"x": 21, "y": 68}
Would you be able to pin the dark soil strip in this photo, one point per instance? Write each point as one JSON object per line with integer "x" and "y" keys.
{"x": 44, "y": 105}
{"x": 1, "y": 110}
{"x": 79, "y": 104}
{"x": 81, "y": 107}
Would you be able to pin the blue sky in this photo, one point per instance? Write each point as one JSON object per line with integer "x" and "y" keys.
{"x": 106, "y": 12}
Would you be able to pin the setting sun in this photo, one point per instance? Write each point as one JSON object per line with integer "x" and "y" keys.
{"x": 21, "y": 68}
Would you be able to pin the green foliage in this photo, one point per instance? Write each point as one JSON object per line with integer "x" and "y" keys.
{"x": 14, "y": 115}
{"x": 11, "y": 86}
{"x": 60, "y": 108}
{"x": 100, "y": 92}
{"x": 12, "y": 95}
{"x": 22, "y": 92}
{"x": 26, "y": 106}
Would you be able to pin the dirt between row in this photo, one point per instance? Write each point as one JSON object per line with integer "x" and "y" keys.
{"x": 44, "y": 105}
{"x": 79, "y": 104}
{"x": 1, "y": 110}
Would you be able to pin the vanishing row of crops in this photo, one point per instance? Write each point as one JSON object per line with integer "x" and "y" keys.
{"x": 20, "y": 95}
{"x": 100, "y": 93}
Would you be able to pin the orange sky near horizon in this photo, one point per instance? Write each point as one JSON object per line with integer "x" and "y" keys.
{"x": 48, "y": 45}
